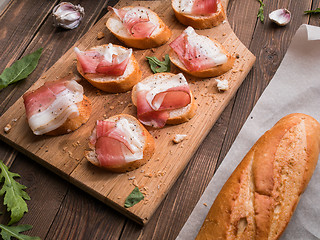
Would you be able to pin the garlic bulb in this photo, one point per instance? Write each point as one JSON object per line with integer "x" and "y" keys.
{"x": 281, "y": 16}
{"x": 67, "y": 15}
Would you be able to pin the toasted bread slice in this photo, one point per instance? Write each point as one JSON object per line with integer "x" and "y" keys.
{"x": 114, "y": 84}
{"x": 72, "y": 124}
{"x": 158, "y": 37}
{"x": 139, "y": 132}
{"x": 214, "y": 46}
{"x": 198, "y": 21}
{"x": 176, "y": 116}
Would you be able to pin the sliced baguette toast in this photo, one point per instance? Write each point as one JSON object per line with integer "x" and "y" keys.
{"x": 114, "y": 84}
{"x": 148, "y": 146}
{"x": 176, "y": 116}
{"x": 212, "y": 71}
{"x": 198, "y": 21}
{"x": 158, "y": 37}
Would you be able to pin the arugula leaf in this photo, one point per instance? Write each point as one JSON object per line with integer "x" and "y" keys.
{"x": 317, "y": 10}
{"x": 157, "y": 66}
{"x": 260, "y": 12}
{"x": 14, "y": 231}
{"x": 14, "y": 195}
{"x": 20, "y": 69}
{"x": 134, "y": 197}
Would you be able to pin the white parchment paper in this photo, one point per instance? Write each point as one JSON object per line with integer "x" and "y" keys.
{"x": 294, "y": 88}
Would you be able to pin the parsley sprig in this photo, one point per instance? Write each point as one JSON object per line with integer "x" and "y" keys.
{"x": 260, "y": 14}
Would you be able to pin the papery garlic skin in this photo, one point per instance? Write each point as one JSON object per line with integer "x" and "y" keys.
{"x": 67, "y": 15}
{"x": 280, "y": 16}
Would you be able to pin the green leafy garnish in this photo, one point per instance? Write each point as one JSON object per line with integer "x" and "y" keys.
{"x": 14, "y": 231}
{"x": 134, "y": 197}
{"x": 15, "y": 195}
{"x": 260, "y": 12}
{"x": 317, "y": 10}
{"x": 157, "y": 66}
{"x": 20, "y": 69}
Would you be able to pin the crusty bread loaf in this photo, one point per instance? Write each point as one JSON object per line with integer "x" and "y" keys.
{"x": 176, "y": 116}
{"x": 144, "y": 136}
{"x": 201, "y": 21}
{"x": 71, "y": 125}
{"x": 114, "y": 84}
{"x": 214, "y": 71}
{"x": 261, "y": 195}
{"x": 160, "y": 35}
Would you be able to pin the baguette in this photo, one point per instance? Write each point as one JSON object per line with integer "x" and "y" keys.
{"x": 133, "y": 132}
{"x": 196, "y": 61}
{"x": 259, "y": 198}
{"x": 198, "y": 21}
{"x": 57, "y": 107}
{"x": 113, "y": 83}
{"x": 158, "y": 37}
{"x": 175, "y": 116}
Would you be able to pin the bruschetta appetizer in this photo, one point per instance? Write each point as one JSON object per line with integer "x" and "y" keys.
{"x": 57, "y": 107}
{"x": 199, "y": 55}
{"x": 138, "y": 27}
{"x": 110, "y": 68}
{"x": 199, "y": 14}
{"x": 120, "y": 143}
{"x": 163, "y": 98}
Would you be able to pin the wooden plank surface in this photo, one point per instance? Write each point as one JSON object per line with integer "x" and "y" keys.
{"x": 60, "y": 155}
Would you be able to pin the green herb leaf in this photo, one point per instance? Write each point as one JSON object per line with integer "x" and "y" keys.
{"x": 20, "y": 69}
{"x": 260, "y": 12}
{"x": 15, "y": 195}
{"x": 134, "y": 197}
{"x": 157, "y": 66}
{"x": 14, "y": 231}
{"x": 317, "y": 10}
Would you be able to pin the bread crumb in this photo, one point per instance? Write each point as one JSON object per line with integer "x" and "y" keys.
{"x": 131, "y": 178}
{"x": 100, "y": 35}
{"x": 178, "y": 138}
{"x": 222, "y": 85}
{"x": 205, "y": 204}
{"x": 7, "y": 128}
{"x": 111, "y": 107}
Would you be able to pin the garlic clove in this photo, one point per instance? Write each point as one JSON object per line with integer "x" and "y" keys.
{"x": 280, "y": 16}
{"x": 67, "y": 15}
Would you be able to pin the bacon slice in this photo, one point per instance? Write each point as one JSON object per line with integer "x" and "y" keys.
{"x": 197, "y": 52}
{"x": 204, "y": 7}
{"x": 154, "y": 103}
{"x": 49, "y": 106}
{"x": 136, "y": 21}
{"x": 111, "y": 145}
{"x": 107, "y": 60}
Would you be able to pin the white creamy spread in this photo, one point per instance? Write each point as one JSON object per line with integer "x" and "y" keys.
{"x": 205, "y": 46}
{"x": 155, "y": 86}
{"x": 63, "y": 107}
{"x": 133, "y": 138}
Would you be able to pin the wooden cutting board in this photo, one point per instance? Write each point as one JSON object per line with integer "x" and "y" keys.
{"x": 64, "y": 154}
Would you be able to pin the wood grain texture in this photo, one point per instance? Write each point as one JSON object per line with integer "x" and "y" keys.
{"x": 61, "y": 156}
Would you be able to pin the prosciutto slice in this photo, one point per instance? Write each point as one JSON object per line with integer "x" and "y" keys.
{"x": 108, "y": 60}
{"x": 136, "y": 21}
{"x": 197, "y": 52}
{"x": 114, "y": 143}
{"x": 49, "y": 106}
{"x": 154, "y": 103}
{"x": 204, "y": 7}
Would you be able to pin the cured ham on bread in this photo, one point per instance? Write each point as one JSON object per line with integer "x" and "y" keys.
{"x": 259, "y": 198}
{"x": 163, "y": 98}
{"x": 57, "y": 107}
{"x": 199, "y": 55}
{"x": 138, "y": 27}
{"x": 110, "y": 68}
{"x": 200, "y": 14}
{"x": 120, "y": 143}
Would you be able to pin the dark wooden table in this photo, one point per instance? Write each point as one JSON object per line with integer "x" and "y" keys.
{"x": 59, "y": 210}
